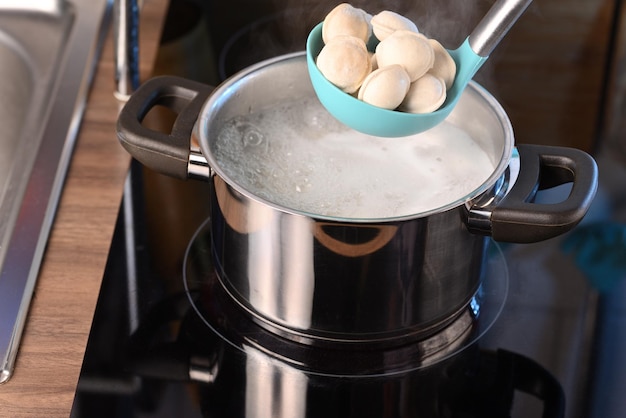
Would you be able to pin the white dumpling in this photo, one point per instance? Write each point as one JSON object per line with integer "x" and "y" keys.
{"x": 387, "y": 22}
{"x": 345, "y": 62}
{"x": 386, "y": 87}
{"x": 409, "y": 49}
{"x": 444, "y": 66}
{"x": 346, "y": 20}
{"x": 425, "y": 95}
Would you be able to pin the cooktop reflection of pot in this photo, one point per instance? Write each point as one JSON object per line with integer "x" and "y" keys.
{"x": 247, "y": 370}
{"x": 195, "y": 351}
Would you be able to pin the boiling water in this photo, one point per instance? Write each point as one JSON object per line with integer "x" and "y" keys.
{"x": 300, "y": 157}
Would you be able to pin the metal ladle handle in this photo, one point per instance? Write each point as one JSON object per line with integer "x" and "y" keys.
{"x": 495, "y": 25}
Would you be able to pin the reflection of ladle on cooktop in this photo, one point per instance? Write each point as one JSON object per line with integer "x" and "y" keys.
{"x": 240, "y": 327}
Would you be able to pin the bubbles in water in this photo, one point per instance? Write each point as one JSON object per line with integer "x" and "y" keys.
{"x": 299, "y": 156}
{"x": 252, "y": 137}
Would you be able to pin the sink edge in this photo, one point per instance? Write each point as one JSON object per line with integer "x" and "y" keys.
{"x": 42, "y": 193}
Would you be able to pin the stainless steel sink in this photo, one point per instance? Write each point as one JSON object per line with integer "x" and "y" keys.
{"x": 48, "y": 49}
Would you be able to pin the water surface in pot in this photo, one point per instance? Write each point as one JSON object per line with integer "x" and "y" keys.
{"x": 295, "y": 154}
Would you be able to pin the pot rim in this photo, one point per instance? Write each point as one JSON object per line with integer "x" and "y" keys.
{"x": 214, "y": 101}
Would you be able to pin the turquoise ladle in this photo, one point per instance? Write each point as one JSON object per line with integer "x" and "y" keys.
{"x": 469, "y": 57}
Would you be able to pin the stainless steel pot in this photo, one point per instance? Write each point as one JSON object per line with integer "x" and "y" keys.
{"x": 325, "y": 279}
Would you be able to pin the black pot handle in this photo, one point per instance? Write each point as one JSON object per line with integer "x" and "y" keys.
{"x": 517, "y": 219}
{"x": 167, "y": 153}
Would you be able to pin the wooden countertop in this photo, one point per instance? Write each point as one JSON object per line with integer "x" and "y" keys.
{"x": 61, "y": 312}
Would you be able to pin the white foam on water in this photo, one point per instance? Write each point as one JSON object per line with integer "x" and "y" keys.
{"x": 298, "y": 156}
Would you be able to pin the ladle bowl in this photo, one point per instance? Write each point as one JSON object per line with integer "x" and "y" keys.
{"x": 373, "y": 120}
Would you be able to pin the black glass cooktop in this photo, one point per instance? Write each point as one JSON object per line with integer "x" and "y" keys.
{"x": 156, "y": 351}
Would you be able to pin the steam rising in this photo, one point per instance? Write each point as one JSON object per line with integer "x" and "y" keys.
{"x": 287, "y": 23}
{"x": 447, "y": 20}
